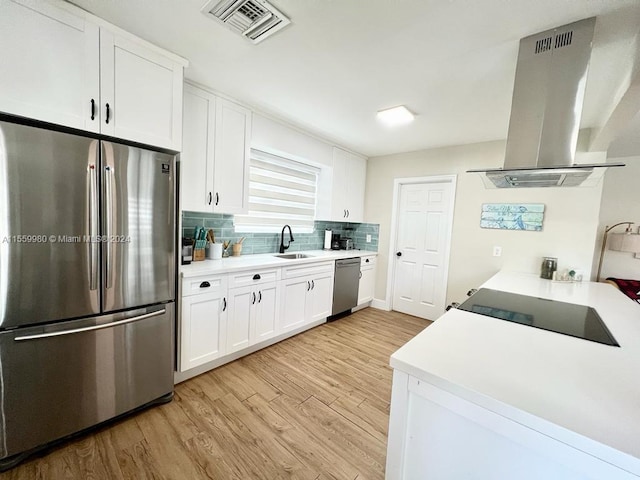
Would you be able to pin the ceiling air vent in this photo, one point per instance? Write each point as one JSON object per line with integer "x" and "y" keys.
{"x": 253, "y": 19}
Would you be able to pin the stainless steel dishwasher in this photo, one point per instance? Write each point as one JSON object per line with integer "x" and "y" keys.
{"x": 345, "y": 285}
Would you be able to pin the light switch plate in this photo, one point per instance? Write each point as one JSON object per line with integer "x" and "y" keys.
{"x": 497, "y": 251}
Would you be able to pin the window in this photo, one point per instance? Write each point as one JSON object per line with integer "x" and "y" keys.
{"x": 281, "y": 191}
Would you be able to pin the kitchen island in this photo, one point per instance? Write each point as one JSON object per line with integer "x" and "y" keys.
{"x": 480, "y": 397}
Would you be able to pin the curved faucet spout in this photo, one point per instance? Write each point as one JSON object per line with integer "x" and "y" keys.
{"x": 282, "y": 247}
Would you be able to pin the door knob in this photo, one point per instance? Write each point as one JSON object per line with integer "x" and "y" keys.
{"x": 398, "y": 254}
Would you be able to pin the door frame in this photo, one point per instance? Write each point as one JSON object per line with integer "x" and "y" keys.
{"x": 395, "y": 217}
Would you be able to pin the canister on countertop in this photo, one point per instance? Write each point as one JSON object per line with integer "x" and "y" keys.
{"x": 549, "y": 266}
{"x": 327, "y": 239}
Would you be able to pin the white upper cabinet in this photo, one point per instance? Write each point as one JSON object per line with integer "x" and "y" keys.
{"x": 231, "y": 167}
{"x": 65, "y": 66}
{"x": 214, "y": 164}
{"x": 347, "y": 191}
{"x": 141, "y": 93}
{"x": 50, "y": 64}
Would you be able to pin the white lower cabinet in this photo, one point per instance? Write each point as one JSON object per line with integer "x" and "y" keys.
{"x": 307, "y": 294}
{"x": 203, "y": 329}
{"x": 253, "y": 308}
{"x": 367, "y": 279}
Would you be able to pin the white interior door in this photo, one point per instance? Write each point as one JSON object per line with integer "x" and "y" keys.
{"x": 422, "y": 247}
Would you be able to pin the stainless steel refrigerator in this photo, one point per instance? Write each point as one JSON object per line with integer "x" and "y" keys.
{"x": 87, "y": 283}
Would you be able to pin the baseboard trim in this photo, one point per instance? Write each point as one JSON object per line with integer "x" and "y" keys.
{"x": 380, "y": 304}
{"x": 179, "y": 377}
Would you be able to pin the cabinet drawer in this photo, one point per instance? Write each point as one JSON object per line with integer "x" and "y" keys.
{"x": 368, "y": 261}
{"x": 203, "y": 284}
{"x": 308, "y": 269}
{"x": 253, "y": 277}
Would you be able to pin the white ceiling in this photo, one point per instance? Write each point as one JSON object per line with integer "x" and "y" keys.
{"x": 450, "y": 61}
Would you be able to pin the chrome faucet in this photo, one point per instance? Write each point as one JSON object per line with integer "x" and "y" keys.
{"x": 282, "y": 247}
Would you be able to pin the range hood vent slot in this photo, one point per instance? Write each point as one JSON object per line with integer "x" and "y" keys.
{"x": 255, "y": 20}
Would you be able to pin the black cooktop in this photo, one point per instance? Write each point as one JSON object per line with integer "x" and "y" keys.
{"x": 567, "y": 318}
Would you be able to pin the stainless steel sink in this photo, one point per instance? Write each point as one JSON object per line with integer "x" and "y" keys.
{"x": 293, "y": 256}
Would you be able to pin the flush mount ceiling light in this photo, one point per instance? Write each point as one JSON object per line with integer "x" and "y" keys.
{"x": 399, "y": 115}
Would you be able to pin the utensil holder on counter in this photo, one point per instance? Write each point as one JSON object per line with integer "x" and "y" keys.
{"x": 214, "y": 251}
{"x": 236, "y": 249}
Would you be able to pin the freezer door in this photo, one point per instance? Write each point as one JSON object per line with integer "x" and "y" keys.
{"x": 48, "y": 204}
{"x": 57, "y": 380}
{"x": 138, "y": 247}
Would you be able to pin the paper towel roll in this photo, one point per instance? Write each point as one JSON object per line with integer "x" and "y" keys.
{"x": 327, "y": 239}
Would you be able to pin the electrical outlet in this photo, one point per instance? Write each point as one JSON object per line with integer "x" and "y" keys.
{"x": 368, "y": 238}
{"x": 497, "y": 251}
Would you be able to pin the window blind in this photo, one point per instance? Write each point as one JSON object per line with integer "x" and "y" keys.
{"x": 281, "y": 191}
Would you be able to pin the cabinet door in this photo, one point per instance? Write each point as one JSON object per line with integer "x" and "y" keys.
{"x": 320, "y": 298}
{"x": 143, "y": 92}
{"x": 339, "y": 185}
{"x": 232, "y": 142}
{"x": 293, "y": 304}
{"x": 366, "y": 285}
{"x": 203, "y": 329}
{"x": 356, "y": 173}
{"x": 264, "y": 326}
{"x": 50, "y": 64}
{"x": 242, "y": 302}
{"x": 196, "y": 159}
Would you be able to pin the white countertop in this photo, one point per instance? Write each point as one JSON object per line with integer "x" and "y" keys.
{"x": 580, "y": 392}
{"x": 264, "y": 260}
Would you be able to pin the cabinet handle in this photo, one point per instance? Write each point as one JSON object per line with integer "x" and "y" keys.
{"x": 366, "y": 261}
{"x": 217, "y": 198}
{"x": 253, "y": 301}
{"x": 224, "y": 304}
{"x": 210, "y": 198}
{"x": 260, "y": 296}
{"x": 256, "y": 276}
{"x": 308, "y": 285}
{"x": 360, "y": 274}
{"x": 344, "y": 214}
{"x": 348, "y": 213}
{"x": 93, "y": 109}
{"x": 313, "y": 284}
{"x": 205, "y": 285}
{"x": 107, "y": 119}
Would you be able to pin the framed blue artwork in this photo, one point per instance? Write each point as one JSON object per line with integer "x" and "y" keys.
{"x": 512, "y": 216}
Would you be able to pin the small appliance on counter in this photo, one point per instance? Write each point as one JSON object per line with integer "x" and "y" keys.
{"x": 335, "y": 241}
{"x": 346, "y": 243}
{"x": 187, "y": 250}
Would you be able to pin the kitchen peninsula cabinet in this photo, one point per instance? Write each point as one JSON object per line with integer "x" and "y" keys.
{"x": 64, "y": 66}
{"x": 214, "y": 163}
{"x": 203, "y": 324}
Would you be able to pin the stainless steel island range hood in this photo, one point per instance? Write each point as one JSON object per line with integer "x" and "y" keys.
{"x": 548, "y": 93}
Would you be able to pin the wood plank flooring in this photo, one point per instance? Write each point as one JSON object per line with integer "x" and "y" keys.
{"x": 315, "y": 406}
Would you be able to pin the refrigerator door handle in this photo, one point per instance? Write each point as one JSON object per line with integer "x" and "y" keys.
{"x": 109, "y": 224}
{"x": 93, "y": 223}
{"x": 89, "y": 329}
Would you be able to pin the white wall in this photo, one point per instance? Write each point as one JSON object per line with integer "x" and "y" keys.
{"x": 620, "y": 203}
{"x": 569, "y": 229}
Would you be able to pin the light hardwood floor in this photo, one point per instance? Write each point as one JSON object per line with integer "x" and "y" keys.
{"x": 315, "y": 406}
